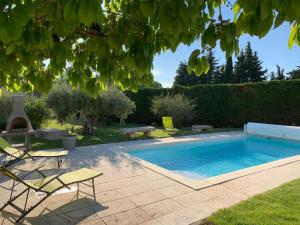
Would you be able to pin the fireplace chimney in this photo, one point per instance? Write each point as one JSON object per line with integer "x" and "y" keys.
{"x": 18, "y": 121}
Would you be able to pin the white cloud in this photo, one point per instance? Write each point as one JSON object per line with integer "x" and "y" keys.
{"x": 156, "y": 73}
{"x": 167, "y": 84}
{"x": 161, "y": 77}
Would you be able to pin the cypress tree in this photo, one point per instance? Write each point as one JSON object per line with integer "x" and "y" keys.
{"x": 239, "y": 68}
{"x": 294, "y": 74}
{"x": 228, "y": 73}
{"x": 220, "y": 77}
{"x": 248, "y": 67}
{"x": 279, "y": 73}
{"x": 183, "y": 77}
{"x": 272, "y": 76}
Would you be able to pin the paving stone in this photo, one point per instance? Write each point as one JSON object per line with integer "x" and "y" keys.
{"x": 180, "y": 217}
{"x": 113, "y": 207}
{"x": 213, "y": 204}
{"x": 131, "y": 217}
{"x": 175, "y": 190}
{"x": 79, "y": 216}
{"x": 231, "y": 198}
{"x": 253, "y": 190}
{"x": 147, "y": 198}
{"x": 151, "y": 222}
{"x": 108, "y": 196}
{"x": 236, "y": 184}
{"x": 192, "y": 198}
{"x": 98, "y": 188}
{"x": 217, "y": 190}
{"x": 162, "y": 208}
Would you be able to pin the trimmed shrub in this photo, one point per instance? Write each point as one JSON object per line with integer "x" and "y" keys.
{"x": 179, "y": 107}
{"x": 230, "y": 105}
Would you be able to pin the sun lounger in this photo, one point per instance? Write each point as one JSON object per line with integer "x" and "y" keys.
{"x": 15, "y": 155}
{"x": 47, "y": 185}
{"x": 168, "y": 124}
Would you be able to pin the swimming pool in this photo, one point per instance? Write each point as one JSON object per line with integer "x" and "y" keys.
{"x": 206, "y": 159}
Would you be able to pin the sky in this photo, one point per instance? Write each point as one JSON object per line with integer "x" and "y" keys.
{"x": 272, "y": 50}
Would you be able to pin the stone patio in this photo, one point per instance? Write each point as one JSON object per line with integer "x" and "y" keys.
{"x": 129, "y": 194}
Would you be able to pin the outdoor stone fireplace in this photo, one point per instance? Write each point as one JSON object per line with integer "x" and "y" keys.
{"x": 18, "y": 121}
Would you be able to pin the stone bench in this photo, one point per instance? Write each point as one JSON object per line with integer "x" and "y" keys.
{"x": 50, "y": 134}
{"x": 131, "y": 131}
{"x": 200, "y": 128}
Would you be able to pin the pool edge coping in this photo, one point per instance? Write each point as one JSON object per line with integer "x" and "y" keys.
{"x": 208, "y": 182}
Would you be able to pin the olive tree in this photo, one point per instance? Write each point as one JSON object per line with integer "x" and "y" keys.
{"x": 113, "y": 102}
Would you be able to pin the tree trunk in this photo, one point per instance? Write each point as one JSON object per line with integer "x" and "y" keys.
{"x": 89, "y": 125}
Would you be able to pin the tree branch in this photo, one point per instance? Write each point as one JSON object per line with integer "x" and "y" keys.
{"x": 92, "y": 32}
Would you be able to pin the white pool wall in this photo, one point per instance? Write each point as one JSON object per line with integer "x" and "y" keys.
{"x": 273, "y": 130}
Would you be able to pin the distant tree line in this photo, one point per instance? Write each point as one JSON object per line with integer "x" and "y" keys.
{"x": 247, "y": 68}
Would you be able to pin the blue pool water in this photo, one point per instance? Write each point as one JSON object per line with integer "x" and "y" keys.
{"x": 203, "y": 159}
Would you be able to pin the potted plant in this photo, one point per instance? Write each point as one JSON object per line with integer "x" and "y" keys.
{"x": 69, "y": 140}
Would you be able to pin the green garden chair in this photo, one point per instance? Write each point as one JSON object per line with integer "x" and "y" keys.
{"x": 47, "y": 185}
{"x": 168, "y": 124}
{"x": 13, "y": 155}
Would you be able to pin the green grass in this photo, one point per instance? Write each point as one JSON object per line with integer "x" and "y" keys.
{"x": 280, "y": 206}
{"x": 107, "y": 134}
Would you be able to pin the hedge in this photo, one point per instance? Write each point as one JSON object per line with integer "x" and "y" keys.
{"x": 230, "y": 105}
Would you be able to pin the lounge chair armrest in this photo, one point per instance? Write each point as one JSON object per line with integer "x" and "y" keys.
{"x": 52, "y": 179}
{"x": 26, "y": 153}
{"x": 65, "y": 185}
{"x": 40, "y": 172}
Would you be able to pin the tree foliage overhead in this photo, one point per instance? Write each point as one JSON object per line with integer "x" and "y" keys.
{"x": 114, "y": 41}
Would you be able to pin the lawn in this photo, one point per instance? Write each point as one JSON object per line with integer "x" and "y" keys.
{"x": 280, "y": 206}
{"x": 108, "y": 134}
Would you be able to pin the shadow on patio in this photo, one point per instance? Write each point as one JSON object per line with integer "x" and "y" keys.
{"x": 74, "y": 212}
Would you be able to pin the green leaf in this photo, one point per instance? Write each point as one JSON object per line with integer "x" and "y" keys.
{"x": 209, "y": 37}
{"x": 279, "y": 19}
{"x": 205, "y": 64}
{"x": 211, "y": 9}
{"x": 296, "y": 7}
{"x": 236, "y": 8}
{"x": 266, "y": 25}
{"x": 70, "y": 10}
{"x": 265, "y": 8}
{"x": 165, "y": 17}
{"x": 192, "y": 62}
{"x": 88, "y": 11}
{"x": 148, "y": 7}
{"x": 22, "y": 13}
{"x": 5, "y": 36}
{"x": 198, "y": 68}
{"x": 3, "y": 18}
{"x": 91, "y": 85}
{"x": 292, "y": 35}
